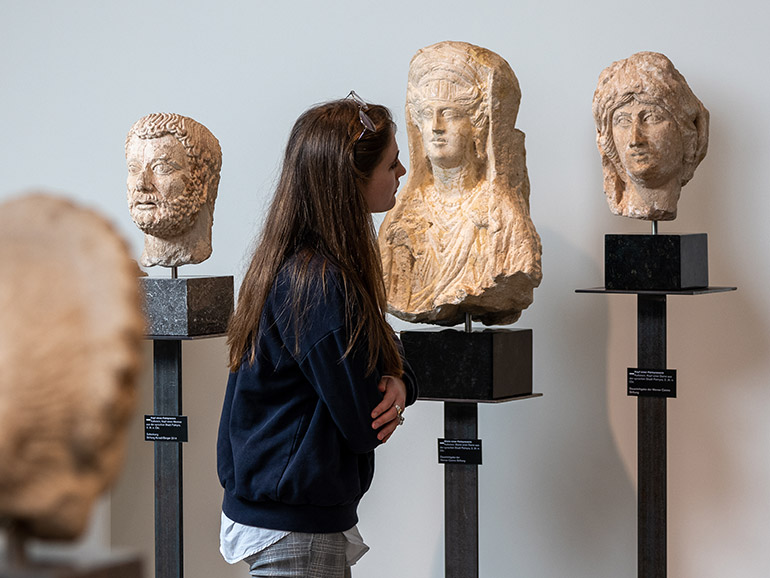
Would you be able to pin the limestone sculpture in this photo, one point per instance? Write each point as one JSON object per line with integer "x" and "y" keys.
{"x": 460, "y": 239}
{"x": 173, "y": 176}
{"x": 69, "y": 355}
{"x": 652, "y": 133}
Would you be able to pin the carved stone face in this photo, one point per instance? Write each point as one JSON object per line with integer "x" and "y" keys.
{"x": 460, "y": 240}
{"x": 651, "y": 131}
{"x": 162, "y": 198}
{"x": 447, "y": 133}
{"x": 649, "y": 144}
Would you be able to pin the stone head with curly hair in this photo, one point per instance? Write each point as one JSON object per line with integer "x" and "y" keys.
{"x": 652, "y": 132}
{"x": 173, "y": 176}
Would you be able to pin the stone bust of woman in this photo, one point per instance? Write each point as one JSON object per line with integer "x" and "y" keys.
{"x": 460, "y": 239}
{"x": 652, "y": 133}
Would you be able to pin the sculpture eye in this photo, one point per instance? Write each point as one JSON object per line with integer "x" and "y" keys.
{"x": 653, "y": 118}
{"x": 162, "y": 169}
{"x": 621, "y": 120}
{"x": 134, "y": 168}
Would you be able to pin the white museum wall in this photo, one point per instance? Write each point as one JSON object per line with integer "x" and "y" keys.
{"x": 557, "y": 488}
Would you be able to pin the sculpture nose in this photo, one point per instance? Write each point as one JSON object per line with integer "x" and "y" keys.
{"x": 143, "y": 180}
{"x": 438, "y": 121}
{"x": 637, "y": 134}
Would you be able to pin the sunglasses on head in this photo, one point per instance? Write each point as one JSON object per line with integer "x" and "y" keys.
{"x": 362, "y": 116}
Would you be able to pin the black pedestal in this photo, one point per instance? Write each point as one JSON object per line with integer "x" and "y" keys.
{"x": 463, "y": 369}
{"x": 169, "y": 527}
{"x": 652, "y": 430}
{"x": 177, "y": 309}
{"x": 477, "y": 366}
{"x": 461, "y": 497}
{"x": 656, "y": 262}
{"x": 651, "y": 442}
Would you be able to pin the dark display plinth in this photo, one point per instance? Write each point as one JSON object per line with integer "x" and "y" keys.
{"x": 652, "y": 428}
{"x": 656, "y": 262}
{"x": 187, "y": 306}
{"x": 482, "y": 365}
{"x": 177, "y": 309}
{"x": 119, "y": 568}
{"x": 463, "y": 369}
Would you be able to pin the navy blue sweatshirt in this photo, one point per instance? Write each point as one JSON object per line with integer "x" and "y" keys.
{"x": 296, "y": 444}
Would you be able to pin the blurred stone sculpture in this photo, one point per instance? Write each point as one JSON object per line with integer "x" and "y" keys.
{"x": 652, "y": 133}
{"x": 460, "y": 239}
{"x": 173, "y": 176}
{"x": 69, "y": 354}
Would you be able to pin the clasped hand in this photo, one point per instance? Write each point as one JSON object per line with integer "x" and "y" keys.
{"x": 385, "y": 415}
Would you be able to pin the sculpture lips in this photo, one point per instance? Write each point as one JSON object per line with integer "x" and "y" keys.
{"x": 145, "y": 203}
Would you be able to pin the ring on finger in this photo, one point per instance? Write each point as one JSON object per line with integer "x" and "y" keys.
{"x": 400, "y": 412}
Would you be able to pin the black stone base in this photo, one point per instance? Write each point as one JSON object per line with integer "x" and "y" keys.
{"x": 187, "y": 306}
{"x": 483, "y": 365}
{"x": 656, "y": 262}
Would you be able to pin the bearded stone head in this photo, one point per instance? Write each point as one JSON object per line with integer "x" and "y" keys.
{"x": 173, "y": 176}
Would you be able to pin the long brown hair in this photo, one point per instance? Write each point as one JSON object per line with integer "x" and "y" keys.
{"x": 318, "y": 209}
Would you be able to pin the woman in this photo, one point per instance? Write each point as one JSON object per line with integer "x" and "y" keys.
{"x": 318, "y": 378}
